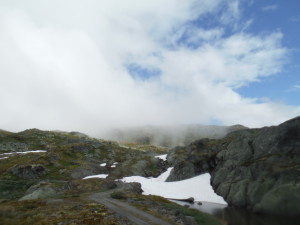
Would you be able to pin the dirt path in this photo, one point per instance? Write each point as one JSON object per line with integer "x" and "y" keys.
{"x": 135, "y": 215}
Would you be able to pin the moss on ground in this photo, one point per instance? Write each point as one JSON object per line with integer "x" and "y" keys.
{"x": 149, "y": 202}
{"x": 67, "y": 152}
{"x": 64, "y": 211}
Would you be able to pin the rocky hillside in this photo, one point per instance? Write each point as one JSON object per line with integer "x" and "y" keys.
{"x": 253, "y": 168}
{"x": 64, "y": 157}
{"x": 41, "y": 181}
{"x": 41, "y": 174}
{"x": 170, "y": 136}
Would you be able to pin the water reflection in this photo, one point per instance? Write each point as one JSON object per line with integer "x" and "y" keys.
{"x": 237, "y": 216}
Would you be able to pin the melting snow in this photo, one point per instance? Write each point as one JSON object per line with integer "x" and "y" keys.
{"x": 103, "y": 176}
{"x": 114, "y": 164}
{"x": 197, "y": 187}
{"x": 11, "y": 153}
{"x": 35, "y": 151}
{"x": 163, "y": 157}
{"x": 4, "y": 158}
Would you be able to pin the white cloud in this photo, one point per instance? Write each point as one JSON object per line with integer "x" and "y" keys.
{"x": 272, "y": 7}
{"x": 295, "y": 18}
{"x": 232, "y": 12}
{"x": 297, "y": 86}
{"x": 62, "y": 66}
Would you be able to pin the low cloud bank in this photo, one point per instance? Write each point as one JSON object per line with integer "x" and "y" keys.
{"x": 65, "y": 65}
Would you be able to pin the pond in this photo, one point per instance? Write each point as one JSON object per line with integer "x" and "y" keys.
{"x": 239, "y": 216}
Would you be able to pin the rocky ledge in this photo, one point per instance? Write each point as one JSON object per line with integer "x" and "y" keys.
{"x": 252, "y": 168}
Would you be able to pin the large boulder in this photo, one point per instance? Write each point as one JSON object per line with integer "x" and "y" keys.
{"x": 196, "y": 158}
{"x": 252, "y": 168}
{"x": 41, "y": 190}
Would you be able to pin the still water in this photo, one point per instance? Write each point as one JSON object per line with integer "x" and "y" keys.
{"x": 237, "y": 216}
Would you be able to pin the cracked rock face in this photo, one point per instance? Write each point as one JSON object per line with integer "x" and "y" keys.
{"x": 253, "y": 168}
{"x": 260, "y": 169}
{"x": 192, "y": 160}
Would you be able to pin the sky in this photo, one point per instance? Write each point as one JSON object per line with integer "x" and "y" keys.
{"x": 92, "y": 65}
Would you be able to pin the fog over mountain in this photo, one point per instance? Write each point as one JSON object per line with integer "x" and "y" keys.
{"x": 170, "y": 136}
{"x": 92, "y": 66}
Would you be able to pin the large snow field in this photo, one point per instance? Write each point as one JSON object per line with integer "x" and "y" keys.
{"x": 197, "y": 187}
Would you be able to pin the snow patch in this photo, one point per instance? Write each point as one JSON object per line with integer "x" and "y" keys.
{"x": 163, "y": 157}
{"x": 12, "y": 153}
{"x": 4, "y": 158}
{"x": 102, "y": 176}
{"x": 197, "y": 187}
{"x": 114, "y": 164}
{"x": 163, "y": 177}
{"x": 34, "y": 151}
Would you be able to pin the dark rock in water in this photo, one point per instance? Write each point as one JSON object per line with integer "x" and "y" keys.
{"x": 29, "y": 171}
{"x": 252, "y": 168}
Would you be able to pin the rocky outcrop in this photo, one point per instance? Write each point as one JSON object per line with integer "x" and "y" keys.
{"x": 260, "y": 169}
{"x": 29, "y": 171}
{"x": 145, "y": 165}
{"x": 41, "y": 190}
{"x": 81, "y": 172}
{"x": 253, "y": 168}
{"x": 194, "y": 159}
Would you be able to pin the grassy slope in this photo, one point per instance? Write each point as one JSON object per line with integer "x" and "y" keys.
{"x": 67, "y": 152}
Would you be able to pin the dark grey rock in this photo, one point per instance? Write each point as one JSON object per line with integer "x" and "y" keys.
{"x": 252, "y": 168}
{"x": 134, "y": 187}
{"x": 29, "y": 171}
{"x": 81, "y": 172}
{"x": 109, "y": 185}
{"x": 194, "y": 159}
{"x": 42, "y": 192}
{"x": 260, "y": 169}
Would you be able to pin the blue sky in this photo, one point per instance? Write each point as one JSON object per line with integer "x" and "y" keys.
{"x": 257, "y": 17}
{"x": 285, "y": 17}
{"x": 95, "y": 65}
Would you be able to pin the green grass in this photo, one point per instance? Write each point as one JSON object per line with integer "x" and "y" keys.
{"x": 200, "y": 217}
{"x": 10, "y": 189}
